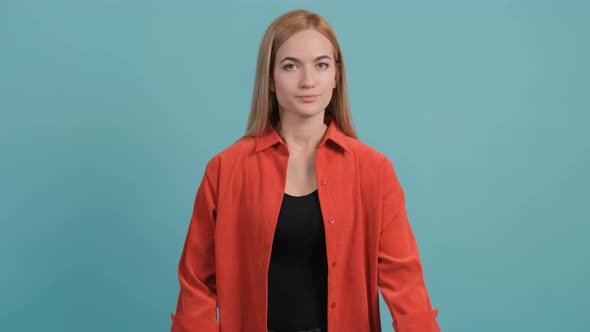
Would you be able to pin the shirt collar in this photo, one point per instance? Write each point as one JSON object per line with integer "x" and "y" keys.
{"x": 271, "y": 137}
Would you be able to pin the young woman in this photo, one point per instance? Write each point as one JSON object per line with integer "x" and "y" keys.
{"x": 298, "y": 224}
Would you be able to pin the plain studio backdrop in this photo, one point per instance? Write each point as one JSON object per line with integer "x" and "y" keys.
{"x": 110, "y": 110}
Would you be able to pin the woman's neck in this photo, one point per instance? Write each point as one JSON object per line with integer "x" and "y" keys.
{"x": 301, "y": 133}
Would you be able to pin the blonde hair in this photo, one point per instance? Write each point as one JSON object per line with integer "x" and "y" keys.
{"x": 264, "y": 107}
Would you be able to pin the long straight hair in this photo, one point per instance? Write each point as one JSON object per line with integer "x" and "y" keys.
{"x": 264, "y": 108}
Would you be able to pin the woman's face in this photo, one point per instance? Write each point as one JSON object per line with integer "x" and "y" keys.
{"x": 304, "y": 66}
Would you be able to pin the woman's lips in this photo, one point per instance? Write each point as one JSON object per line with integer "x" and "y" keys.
{"x": 308, "y": 99}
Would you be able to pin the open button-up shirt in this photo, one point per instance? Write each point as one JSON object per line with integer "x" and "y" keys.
{"x": 370, "y": 244}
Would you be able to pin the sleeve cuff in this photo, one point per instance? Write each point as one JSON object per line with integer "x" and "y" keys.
{"x": 185, "y": 323}
{"x": 417, "y": 322}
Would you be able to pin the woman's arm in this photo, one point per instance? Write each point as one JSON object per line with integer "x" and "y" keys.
{"x": 401, "y": 279}
{"x": 197, "y": 300}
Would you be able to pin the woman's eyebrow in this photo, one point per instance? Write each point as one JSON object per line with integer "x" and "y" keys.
{"x": 299, "y": 61}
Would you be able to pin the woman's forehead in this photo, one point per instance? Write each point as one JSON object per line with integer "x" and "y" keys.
{"x": 306, "y": 45}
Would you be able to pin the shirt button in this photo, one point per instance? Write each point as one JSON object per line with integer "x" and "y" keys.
{"x": 333, "y": 264}
{"x": 323, "y": 182}
{"x": 333, "y": 305}
{"x": 332, "y": 220}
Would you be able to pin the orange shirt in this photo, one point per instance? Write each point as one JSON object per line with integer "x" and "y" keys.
{"x": 369, "y": 242}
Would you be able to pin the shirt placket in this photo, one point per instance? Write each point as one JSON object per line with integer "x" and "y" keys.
{"x": 330, "y": 227}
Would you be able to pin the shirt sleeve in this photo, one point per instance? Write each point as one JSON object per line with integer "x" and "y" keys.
{"x": 197, "y": 299}
{"x": 400, "y": 273}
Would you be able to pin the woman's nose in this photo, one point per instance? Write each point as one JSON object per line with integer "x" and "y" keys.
{"x": 308, "y": 79}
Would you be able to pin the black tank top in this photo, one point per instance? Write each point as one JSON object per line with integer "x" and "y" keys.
{"x": 298, "y": 271}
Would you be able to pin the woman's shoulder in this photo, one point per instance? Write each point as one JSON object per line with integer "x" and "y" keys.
{"x": 233, "y": 151}
{"x": 366, "y": 153}
{"x": 375, "y": 166}
{"x": 239, "y": 147}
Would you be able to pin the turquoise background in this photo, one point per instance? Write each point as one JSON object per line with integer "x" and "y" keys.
{"x": 110, "y": 110}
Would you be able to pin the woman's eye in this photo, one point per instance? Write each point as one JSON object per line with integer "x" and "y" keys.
{"x": 291, "y": 66}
